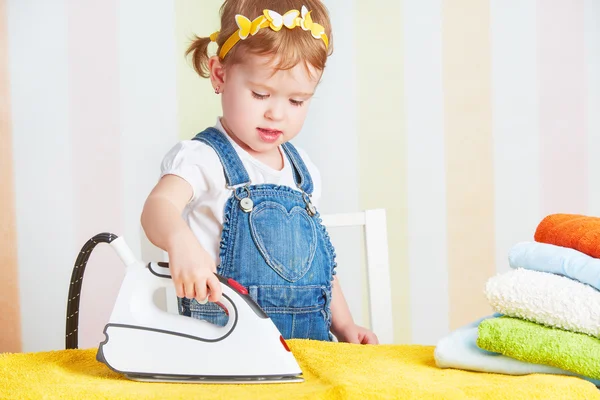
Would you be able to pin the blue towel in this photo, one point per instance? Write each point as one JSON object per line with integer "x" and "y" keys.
{"x": 544, "y": 257}
{"x": 459, "y": 350}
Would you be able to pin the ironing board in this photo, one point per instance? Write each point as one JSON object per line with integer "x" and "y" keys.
{"x": 331, "y": 371}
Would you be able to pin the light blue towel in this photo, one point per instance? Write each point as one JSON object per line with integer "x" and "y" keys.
{"x": 459, "y": 350}
{"x": 544, "y": 257}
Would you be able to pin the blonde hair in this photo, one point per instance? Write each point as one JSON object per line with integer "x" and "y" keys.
{"x": 289, "y": 47}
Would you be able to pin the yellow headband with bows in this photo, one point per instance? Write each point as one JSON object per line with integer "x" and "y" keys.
{"x": 275, "y": 21}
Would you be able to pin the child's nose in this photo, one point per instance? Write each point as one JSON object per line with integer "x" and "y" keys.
{"x": 275, "y": 112}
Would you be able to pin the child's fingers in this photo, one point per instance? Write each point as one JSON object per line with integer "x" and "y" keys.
{"x": 201, "y": 292}
{"x": 188, "y": 287}
{"x": 215, "y": 288}
{"x": 179, "y": 290}
{"x": 354, "y": 339}
{"x": 375, "y": 339}
{"x": 370, "y": 338}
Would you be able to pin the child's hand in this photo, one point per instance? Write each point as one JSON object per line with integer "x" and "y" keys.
{"x": 193, "y": 270}
{"x": 353, "y": 333}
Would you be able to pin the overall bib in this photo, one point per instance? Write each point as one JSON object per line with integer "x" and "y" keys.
{"x": 273, "y": 243}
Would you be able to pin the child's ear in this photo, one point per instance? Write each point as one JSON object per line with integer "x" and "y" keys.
{"x": 217, "y": 71}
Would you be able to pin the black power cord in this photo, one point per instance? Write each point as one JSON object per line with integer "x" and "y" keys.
{"x": 71, "y": 335}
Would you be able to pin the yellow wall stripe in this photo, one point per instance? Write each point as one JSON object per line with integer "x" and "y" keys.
{"x": 469, "y": 163}
{"x": 197, "y": 105}
{"x": 10, "y": 339}
{"x": 382, "y": 141}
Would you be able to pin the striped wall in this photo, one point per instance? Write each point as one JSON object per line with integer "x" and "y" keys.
{"x": 468, "y": 121}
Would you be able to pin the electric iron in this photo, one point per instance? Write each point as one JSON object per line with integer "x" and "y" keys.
{"x": 147, "y": 343}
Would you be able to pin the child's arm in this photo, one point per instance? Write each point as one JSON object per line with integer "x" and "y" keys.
{"x": 342, "y": 324}
{"x": 192, "y": 268}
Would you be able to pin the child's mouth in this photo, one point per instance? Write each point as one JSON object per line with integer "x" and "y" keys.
{"x": 269, "y": 135}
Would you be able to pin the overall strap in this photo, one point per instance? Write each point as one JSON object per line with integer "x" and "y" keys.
{"x": 235, "y": 173}
{"x": 301, "y": 174}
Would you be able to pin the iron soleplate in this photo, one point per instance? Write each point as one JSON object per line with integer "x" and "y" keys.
{"x": 221, "y": 380}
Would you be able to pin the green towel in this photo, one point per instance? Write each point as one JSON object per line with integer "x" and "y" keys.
{"x": 538, "y": 344}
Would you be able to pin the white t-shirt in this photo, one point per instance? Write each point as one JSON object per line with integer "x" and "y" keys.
{"x": 198, "y": 164}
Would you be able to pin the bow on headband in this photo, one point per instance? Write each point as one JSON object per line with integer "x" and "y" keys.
{"x": 275, "y": 21}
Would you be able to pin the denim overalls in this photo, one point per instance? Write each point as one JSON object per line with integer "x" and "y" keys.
{"x": 274, "y": 244}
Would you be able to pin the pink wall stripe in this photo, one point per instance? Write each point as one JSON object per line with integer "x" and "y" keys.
{"x": 94, "y": 127}
{"x": 592, "y": 61}
{"x": 561, "y": 83}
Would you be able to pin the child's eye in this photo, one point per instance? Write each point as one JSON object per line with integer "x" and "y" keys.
{"x": 297, "y": 103}
{"x": 259, "y": 96}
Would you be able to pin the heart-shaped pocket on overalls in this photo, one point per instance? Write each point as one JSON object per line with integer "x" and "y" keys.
{"x": 286, "y": 240}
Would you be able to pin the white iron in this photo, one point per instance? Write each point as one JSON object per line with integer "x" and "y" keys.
{"x": 146, "y": 343}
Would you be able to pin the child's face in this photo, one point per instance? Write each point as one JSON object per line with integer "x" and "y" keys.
{"x": 262, "y": 109}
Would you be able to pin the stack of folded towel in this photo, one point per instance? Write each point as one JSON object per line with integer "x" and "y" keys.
{"x": 547, "y": 308}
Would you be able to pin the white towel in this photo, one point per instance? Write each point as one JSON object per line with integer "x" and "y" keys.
{"x": 546, "y": 299}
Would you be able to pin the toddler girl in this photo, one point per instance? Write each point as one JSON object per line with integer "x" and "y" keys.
{"x": 239, "y": 199}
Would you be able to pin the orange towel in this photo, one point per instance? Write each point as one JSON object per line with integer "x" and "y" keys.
{"x": 574, "y": 231}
